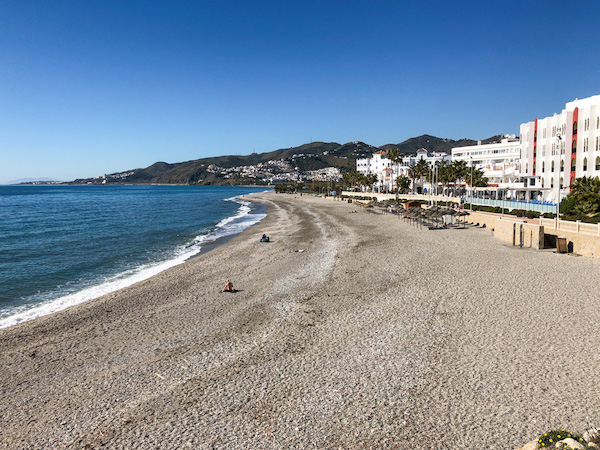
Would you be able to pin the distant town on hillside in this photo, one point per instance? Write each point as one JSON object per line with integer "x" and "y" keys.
{"x": 315, "y": 161}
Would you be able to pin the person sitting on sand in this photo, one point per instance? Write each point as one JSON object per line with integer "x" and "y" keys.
{"x": 228, "y": 287}
{"x": 264, "y": 238}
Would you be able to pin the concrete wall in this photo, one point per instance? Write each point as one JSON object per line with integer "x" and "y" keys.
{"x": 511, "y": 230}
{"x": 518, "y": 233}
{"x": 533, "y": 234}
{"x": 583, "y": 244}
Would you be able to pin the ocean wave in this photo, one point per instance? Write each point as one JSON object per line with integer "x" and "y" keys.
{"x": 229, "y": 226}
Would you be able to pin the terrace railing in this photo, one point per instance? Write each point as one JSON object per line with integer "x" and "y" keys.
{"x": 571, "y": 227}
{"x": 381, "y": 196}
{"x": 543, "y": 207}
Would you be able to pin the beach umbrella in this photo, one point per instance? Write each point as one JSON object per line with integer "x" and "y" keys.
{"x": 463, "y": 214}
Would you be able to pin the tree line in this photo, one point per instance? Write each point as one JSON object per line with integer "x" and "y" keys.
{"x": 448, "y": 174}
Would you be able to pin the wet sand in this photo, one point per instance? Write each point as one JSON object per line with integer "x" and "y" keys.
{"x": 377, "y": 335}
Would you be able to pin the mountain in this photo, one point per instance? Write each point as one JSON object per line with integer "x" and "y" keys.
{"x": 435, "y": 144}
{"x": 259, "y": 167}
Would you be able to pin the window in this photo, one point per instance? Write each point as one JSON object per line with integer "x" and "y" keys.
{"x": 544, "y": 133}
{"x": 562, "y": 166}
{"x": 572, "y": 165}
{"x": 572, "y": 180}
{"x": 597, "y": 143}
{"x": 543, "y": 149}
{"x": 551, "y": 182}
{"x": 575, "y": 128}
{"x": 584, "y": 164}
{"x": 598, "y": 163}
{"x": 585, "y": 144}
{"x": 598, "y": 122}
{"x": 542, "y": 182}
{"x": 543, "y": 166}
{"x": 553, "y": 166}
{"x": 586, "y": 124}
{"x": 561, "y": 182}
{"x": 574, "y": 147}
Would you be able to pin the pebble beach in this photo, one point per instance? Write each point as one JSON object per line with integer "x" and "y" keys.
{"x": 350, "y": 329}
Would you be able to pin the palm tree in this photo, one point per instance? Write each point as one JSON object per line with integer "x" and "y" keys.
{"x": 403, "y": 183}
{"x": 395, "y": 156}
{"x": 351, "y": 178}
{"x": 444, "y": 173}
{"x": 370, "y": 179}
{"x": 413, "y": 173}
{"x": 478, "y": 179}
{"x": 423, "y": 168}
{"x": 459, "y": 171}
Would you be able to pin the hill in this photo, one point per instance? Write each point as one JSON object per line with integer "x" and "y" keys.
{"x": 258, "y": 167}
{"x": 435, "y": 144}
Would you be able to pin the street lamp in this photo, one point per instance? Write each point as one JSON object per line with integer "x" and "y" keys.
{"x": 471, "y": 158}
{"x": 435, "y": 180}
{"x": 430, "y": 185}
{"x": 557, "y": 166}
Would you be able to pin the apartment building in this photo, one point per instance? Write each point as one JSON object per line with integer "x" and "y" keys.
{"x": 500, "y": 162}
{"x": 558, "y": 149}
{"x": 387, "y": 171}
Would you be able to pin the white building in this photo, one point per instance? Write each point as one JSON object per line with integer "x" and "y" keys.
{"x": 562, "y": 147}
{"x": 375, "y": 164}
{"x": 380, "y": 165}
{"x": 387, "y": 171}
{"x": 326, "y": 174}
{"x": 500, "y": 162}
{"x": 431, "y": 158}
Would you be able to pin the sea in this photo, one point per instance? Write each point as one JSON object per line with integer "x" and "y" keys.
{"x": 61, "y": 245}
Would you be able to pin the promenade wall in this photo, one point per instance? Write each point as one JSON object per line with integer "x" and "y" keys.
{"x": 511, "y": 230}
{"x": 582, "y": 244}
{"x": 508, "y": 230}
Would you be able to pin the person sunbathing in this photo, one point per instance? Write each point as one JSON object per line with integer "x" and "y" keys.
{"x": 228, "y": 287}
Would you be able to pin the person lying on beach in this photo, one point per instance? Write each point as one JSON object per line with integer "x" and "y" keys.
{"x": 264, "y": 238}
{"x": 228, "y": 287}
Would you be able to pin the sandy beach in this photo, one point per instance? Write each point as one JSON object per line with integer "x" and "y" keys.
{"x": 377, "y": 334}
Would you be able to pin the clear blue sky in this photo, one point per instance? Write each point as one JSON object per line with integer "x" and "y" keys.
{"x": 92, "y": 87}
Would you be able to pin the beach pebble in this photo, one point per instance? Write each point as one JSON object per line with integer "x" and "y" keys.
{"x": 592, "y": 435}
{"x": 569, "y": 443}
{"x": 530, "y": 446}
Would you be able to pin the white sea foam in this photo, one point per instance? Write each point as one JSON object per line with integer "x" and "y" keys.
{"x": 226, "y": 227}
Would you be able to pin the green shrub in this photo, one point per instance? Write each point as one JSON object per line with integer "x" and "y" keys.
{"x": 551, "y": 437}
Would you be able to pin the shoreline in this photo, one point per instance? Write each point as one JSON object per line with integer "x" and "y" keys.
{"x": 78, "y": 297}
{"x": 378, "y": 334}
